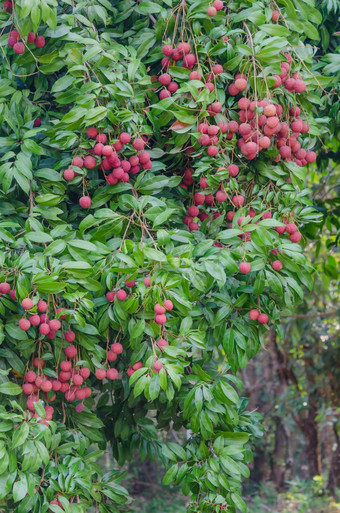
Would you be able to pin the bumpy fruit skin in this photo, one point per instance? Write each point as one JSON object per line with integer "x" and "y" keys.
{"x": 110, "y": 296}
{"x": 147, "y": 281}
{"x": 111, "y": 356}
{"x": 311, "y": 157}
{"x": 46, "y": 386}
{"x": 212, "y": 151}
{"x": 24, "y": 324}
{"x": 30, "y": 377}
{"x": 35, "y": 320}
{"x": 112, "y": 374}
{"x": 137, "y": 365}
{"x": 277, "y": 265}
{"x": 70, "y": 336}
{"x": 70, "y": 351}
{"x": 11, "y": 41}
{"x": 70, "y": 395}
{"x": 19, "y": 48}
{"x": 39, "y": 41}
{"x": 79, "y": 408}
{"x": 77, "y": 161}
{"x": 240, "y": 84}
{"x": 125, "y": 138}
{"x": 121, "y": 295}
{"x": 160, "y": 319}
{"x": 164, "y": 79}
{"x": 78, "y": 380}
{"x": 89, "y": 162}
{"x": 85, "y": 202}
{"x": 8, "y": 6}
{"x": 92, "y": 132}
{"x": 30, "y": 37}
{"x": 44, "y": 328}
{"x": 244, "y": 267}
{"x": 4, "y": 288}
{"x": 55, "y": 324}
{"x": 275, "y": 16}
{"x": 56, "y": 385}
{"x": 161, "y": 343}
{"x": 159, "y": 310}
{"x": 254, "y": 314}
{"x": 65, "y": 365}
{"x": 42, "y": 306}
{"x": 117, "y": 348}
{"x": 221, "y": 196}
{"x": 38, "y": 363}
{"x": 27, "y": 388}
{"x": 295, "y": 237}
{"x": 85, "y": 372}
{"x": 263, "y": 318}
{"x": 69, "y": 174}
{"x": 27, "y": 303}
{"x": 157, "y": 366}
{"x": 291, "y": 228}
{"x": 168, "y": 305}
{"x": 167, "y": 50}
{"x": 233, "y": 170}
{"x": 164, "y": 94}
{"x": 218, "y": 4}
{"x": 237, "y": 200}
{"x": 211, "y": 11}
{"x": 138, "y": 144}
{"x": 100, "y": 374}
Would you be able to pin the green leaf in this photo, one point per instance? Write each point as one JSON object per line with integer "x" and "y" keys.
{"x": 9, "y": 388}
{"x": 170, "y": 474}
{"x": 154, "y": 254}
{"x": 239, "y": 502}
{"x": 20, "y": 435}
{"x": 216, "y": 271}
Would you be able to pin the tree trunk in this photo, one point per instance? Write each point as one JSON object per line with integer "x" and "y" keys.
{"x": 279, "y": 456}
{"x": 309, "y": 426}
{"x": 334, "y": 471}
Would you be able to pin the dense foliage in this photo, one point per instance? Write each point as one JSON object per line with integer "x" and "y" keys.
{"x": 154, "y": 206}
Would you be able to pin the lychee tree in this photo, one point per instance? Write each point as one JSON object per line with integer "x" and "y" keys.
{"x": 153, "y": 204}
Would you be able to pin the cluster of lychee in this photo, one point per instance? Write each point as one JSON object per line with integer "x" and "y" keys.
{"x": 291, "y": 229}
{"x": 18, "y": 46}
{"x": 209, "y": 200}
{"x": 291, "y": 82}
{"x": 157, "y": 365}
{"x": 255, "y": 315}
{"x": 240, "y": 84}
{"x": 121, "y": 295}
{"x": 179, "y": 54}
{"x": 194, "y": 214}
{"x": 111, "y": 356}
{"x": 261, "y": 124}
{"x": 121, "y": 169}
{"x": 47, "y": 327}
{"x": 214, "y": 8}
{"x": 209, "y": 137}
{"x": 159, "y": 318}
{"x": 70, "y": 380}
